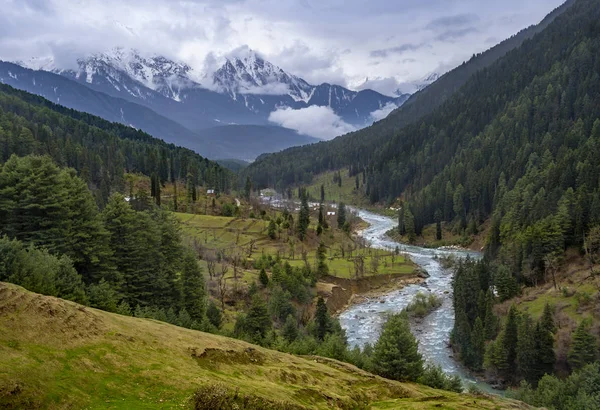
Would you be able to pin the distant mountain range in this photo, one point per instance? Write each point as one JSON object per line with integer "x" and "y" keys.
{"x": 211, "y": 114}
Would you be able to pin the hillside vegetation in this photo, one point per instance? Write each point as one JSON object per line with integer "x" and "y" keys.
{"x": 57, "y": 354}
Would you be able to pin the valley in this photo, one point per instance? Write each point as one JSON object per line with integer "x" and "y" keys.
{"x": 186, "y": 224}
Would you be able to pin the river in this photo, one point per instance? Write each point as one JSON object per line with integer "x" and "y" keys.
{"x": 363, "y": 321}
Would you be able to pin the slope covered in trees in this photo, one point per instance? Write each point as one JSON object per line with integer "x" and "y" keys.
{"x": 99, "y": 150}
{"x": 358, "y": 150}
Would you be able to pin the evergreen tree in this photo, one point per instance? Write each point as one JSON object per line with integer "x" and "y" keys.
{"x": 438, "y": 224}
{"x": 214, "y": 315}
{"x": 322, "y": 193}
{"x": 322, "y": 267}
{"x": 258, "y": 322}
{"x": 341, "y": 215}
{"x": 264, "y": 278}
{"x": 321, "y": 319}
{"x": 584, "y": 349}
{"x": 478, "y": 343}
{"x": 511, "y": 338}
{"x": 396, "y": 355}
{"x": 304, "y": 215}
{"x": 527, "y": 353}
{"x": 248, "y": 188}
{"x": 409, "y": 225}
{"x": 290, "y": 329}
{"x": 272, "y": 230}
{"x": 194, "y": 294}
{"x": 546, "y": 358}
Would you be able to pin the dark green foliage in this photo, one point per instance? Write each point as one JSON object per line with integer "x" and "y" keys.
{"x": 214, "y": 315}
{"x": 272, "y": 230}
{"x": 518, "y": 142}
{"x": 322, "y": 267}
{"x": 584, "y": 348}
{"x": 341, "y": 215}
{"x": 322, "y": 319}
{"x": 52, "y": 208}
{"x": 433, "y": 376}
{"x": 193, "y": 287}
{"x": 304, "y": 215}
{"x": 264, "y": 278}
{"x": 257, "y": 321}
{"x": 38, "y": 271}
{"x": 100, "y": 151}
{"x": 103, "y": 296}
{"x": 438, "y": 224}
{"x": 290, "y": 329}
{"x": 248, "y": 188}
{"x": 280, "y": 306}
{"x": 580, "y": 391}
{"x": 395, "y": 355}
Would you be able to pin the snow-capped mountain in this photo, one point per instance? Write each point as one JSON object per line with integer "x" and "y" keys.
{"x": 251, "y": 74}
{"x": 245, "y": 90}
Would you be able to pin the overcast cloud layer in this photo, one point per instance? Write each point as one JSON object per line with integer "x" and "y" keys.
{"x": 355, "y": 43}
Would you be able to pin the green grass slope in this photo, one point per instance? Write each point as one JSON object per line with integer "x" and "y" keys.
{"x": 58, "y": 354}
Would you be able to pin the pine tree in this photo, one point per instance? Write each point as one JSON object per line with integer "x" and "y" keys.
{"x": 321, "y": 319}
{"x": 248, "y": 188}
{"x": 290, "y": 329}
{"x": 264, "y": 278}
{"x": 341, "y": 215}
{"x": 527, "y": 354}
{"x": 214, "y": 315}
{"x": 409, "y": 225}
{"x": 584, "y": 348}
{"x": 546, "y": 357}
{"x": 511, "y": 337}
{"x": 304, "y": 215}
{"x": 272, "y": 230}
{"x": 322, "y": 193}
{"x": 438, "y": 224}
{"x": 478, "y": 343}
{"x": 396, "y": 354}
{"x": 194, "y": 294}
{"x": 322, "y": 267}
{"x": 258, "y": 322}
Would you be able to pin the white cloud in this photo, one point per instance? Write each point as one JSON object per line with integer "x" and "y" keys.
{"x": 336, "y": 41}
{"x": 267, "y": 89}
{"x": 383, "y": 112}
{"x": 319, "y": 122}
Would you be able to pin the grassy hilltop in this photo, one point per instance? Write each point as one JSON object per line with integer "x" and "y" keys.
{"x": 58, "y": 354}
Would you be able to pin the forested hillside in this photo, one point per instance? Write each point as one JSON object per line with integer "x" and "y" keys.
{"x": 99, "y": 150}
{"x": 357, "y": 150}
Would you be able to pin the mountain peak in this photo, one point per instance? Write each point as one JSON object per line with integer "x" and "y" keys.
{"x": 246, "y": 72}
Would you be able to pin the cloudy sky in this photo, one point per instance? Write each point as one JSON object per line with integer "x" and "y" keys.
{"x": 388, "y": 42}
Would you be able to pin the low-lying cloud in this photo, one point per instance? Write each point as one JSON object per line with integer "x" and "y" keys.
{"x": 383, "y": 112}
{"x": 316, "y": 121}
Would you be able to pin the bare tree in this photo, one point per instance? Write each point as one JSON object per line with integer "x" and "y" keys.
{"x": 222, "y": 284}
{"x": 359, "y": 266}
{"x": 375, "y": 263}
{"x": 236, "y": 260}
{"x": 211, "y": 261}
{"x": 552, "y": 264}
{"x": 251, "y": 246}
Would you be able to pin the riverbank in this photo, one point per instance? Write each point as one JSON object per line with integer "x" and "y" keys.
{"x": 449, "y": 241}
{"x": 341, "y": 293}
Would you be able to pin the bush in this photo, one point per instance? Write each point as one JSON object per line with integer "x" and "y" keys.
{"x": 423, "y": 305}
{"x": 39, "y": 271}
